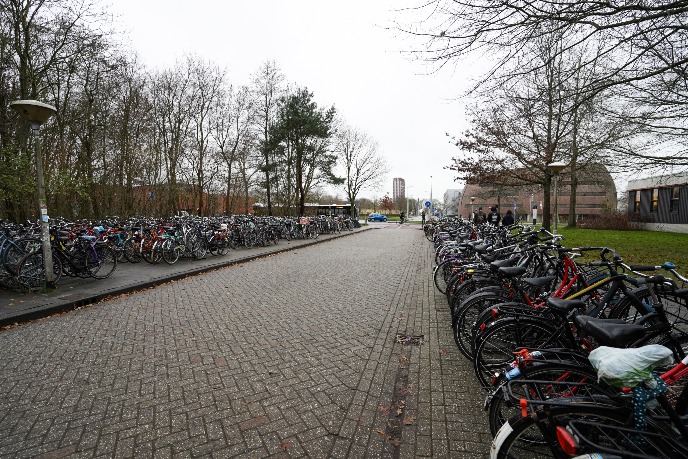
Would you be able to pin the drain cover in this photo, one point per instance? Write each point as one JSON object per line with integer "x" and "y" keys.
{"x": 410, "y": 339}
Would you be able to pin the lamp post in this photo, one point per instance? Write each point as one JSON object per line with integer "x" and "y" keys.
{"x": 472, "y": 210}
{"x": 431, "y": 203}
{"x": 407, "y": 200}
{"x": 37, "y": 113}
{"x": 556, "y": 168}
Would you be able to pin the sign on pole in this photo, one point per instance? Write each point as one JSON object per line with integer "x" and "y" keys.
{"x": 427, "y": 203}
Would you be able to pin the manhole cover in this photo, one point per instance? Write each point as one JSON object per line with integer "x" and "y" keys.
{"x": 416, "y": 340}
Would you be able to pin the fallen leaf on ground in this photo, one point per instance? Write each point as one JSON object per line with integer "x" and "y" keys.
{"x": 285, "y": 445}
{"x": 409, "y": 420}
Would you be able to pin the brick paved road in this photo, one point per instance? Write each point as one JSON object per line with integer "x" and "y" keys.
{"x": 293, "y": 355}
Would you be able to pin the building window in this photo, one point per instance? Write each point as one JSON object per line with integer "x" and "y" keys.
{"x": 655, "y": 200}
{"x": 673, "y": 206}
{"x": 636, "y": 202}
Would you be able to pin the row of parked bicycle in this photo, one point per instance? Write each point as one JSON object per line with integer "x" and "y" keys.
{"x": 88, "y": 249}
{"x": 581, "y": 355}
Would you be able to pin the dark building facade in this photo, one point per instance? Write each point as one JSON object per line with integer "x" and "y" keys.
{"x": 660, "y": 199}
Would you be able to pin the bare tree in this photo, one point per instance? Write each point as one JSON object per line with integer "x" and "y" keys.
{"x": 364, "y": 167}
{"x": 207, "y": 81}
{"x": 131, "y": 160}
{"x": 267, "y": 87}
{"x": 172, "y": 92}
{"x": 640, "y": 52}
{"x": 232, "y": 130}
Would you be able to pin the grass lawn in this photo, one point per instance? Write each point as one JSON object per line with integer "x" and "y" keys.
{"x": 639, "y": 247}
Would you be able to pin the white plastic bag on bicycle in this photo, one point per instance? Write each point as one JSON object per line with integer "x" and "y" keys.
{"x": 629, "y": 367}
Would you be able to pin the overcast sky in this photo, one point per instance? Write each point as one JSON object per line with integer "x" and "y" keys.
{"x": 339, "y": 50}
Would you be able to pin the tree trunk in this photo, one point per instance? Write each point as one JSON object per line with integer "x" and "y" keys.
{"x": 546, "y": 202}
{"x": 574, "y": 174}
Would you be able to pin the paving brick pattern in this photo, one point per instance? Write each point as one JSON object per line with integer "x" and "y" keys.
{"x": 293, "y": 355}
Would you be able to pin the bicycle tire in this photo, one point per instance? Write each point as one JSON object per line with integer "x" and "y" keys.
{"x": 675, "y": 307}
{"x": 16, "y": 250}
{"x": 495, "y": 349}
{"x": 467, "y": 313}
{"x": 249, "y": 240}
{"x": 102, "y": 263}
{"x": 457, "y": 283}
{"x": 221, "y": 245}
{"x": 131, "y": 250}
{"x": 199, "y": 249}
{"x": 504, "y": 311}
{"x": 233, "y": 241}
{"x": 171, "y": 251}
{"x": 31, "y": 272}
{"x": 522, "y": 437}
{"x": 501, "y": 408}
{"x": 442, "y": 273}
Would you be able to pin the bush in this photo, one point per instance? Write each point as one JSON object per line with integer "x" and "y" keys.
{"x": 612, "y": 220}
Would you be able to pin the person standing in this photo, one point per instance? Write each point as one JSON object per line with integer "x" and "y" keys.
{"x": 508, "y": 219}
{"x": 493, "y": 217}
{"x": 479, "y": 217}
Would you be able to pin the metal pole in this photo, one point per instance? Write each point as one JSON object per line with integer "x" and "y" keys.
{"x": 43, "y": 209}
{"x": 556, "y": 204}
{"x": 431, "y": 203}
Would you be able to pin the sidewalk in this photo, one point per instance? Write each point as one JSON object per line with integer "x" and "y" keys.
{"x": 305, "y": 354}
{"x": 72, "y": 293}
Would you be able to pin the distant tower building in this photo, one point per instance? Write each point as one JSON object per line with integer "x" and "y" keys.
{"x": 398, "y": 188}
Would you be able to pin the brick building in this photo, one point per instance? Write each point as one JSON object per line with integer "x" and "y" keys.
{"x": 595, "y": 193}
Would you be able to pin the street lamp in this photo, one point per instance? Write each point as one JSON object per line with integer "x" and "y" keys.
{"x": 556, "y": 168}
{"x": 407, "y": 200}
{"x": 37, "y": 113}
{"x": 472, "y": 210}
{"x": 431, "y": 203}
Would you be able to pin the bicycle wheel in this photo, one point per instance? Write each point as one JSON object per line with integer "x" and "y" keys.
{"x": 102, "y": 262}
{"x": 429, "y": 233}
{"x": 7, "y": 279}
{"x": 221, "y": 244}
{"x": 262, "y": 238}
{"x": 17, "y": 250}
{"x": 286, "y": 234}
{"x": 526, "y": 437}
{"x": 463, "y": 290}
{"x": 31, "y": 272}
{"x": 467, "y": 313}
{"x": 442, "y": 273}
{"x": 199, "y": 248}
{"x": 675, "y": 307}
{"x": 234, "y": 240}
{"x": 495, "y": 349}
{"x": 501, "y": 406}
{"x": 248, "y": 239}
{"x": 131, "y": 250}
{"x": 171, "y": 251}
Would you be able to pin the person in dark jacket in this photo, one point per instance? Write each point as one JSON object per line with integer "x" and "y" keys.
{"x": 508, "y": 219}
{"x": 479, "y": 217}
{"x": 493, "y": 217}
